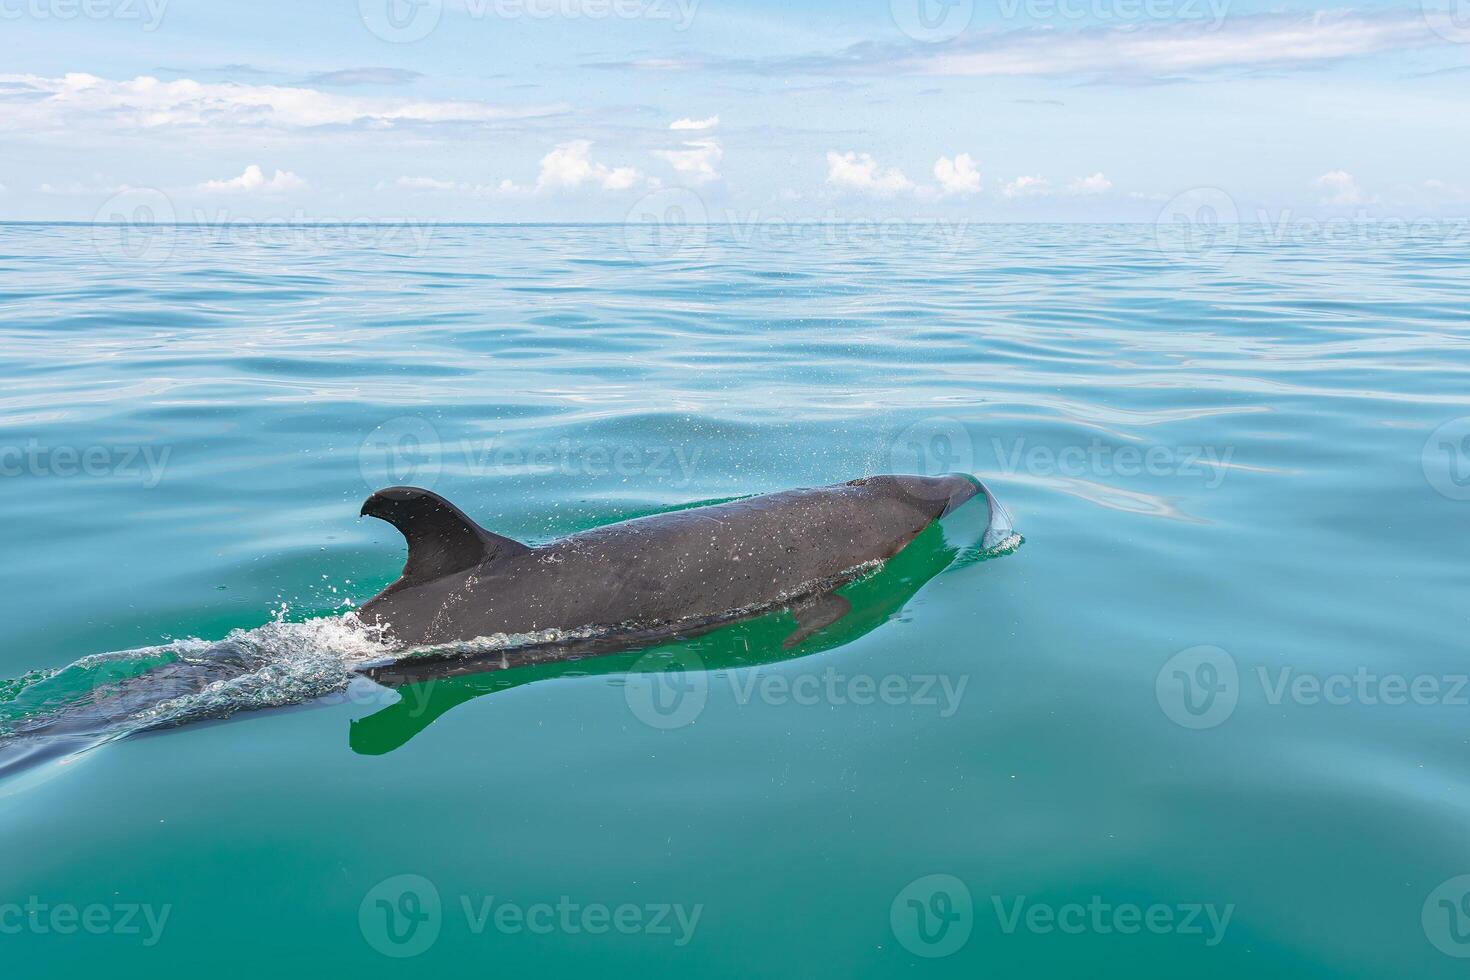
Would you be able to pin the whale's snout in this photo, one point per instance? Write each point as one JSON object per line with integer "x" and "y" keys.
{"x": 934, "y": 496}
{"x": 960, "y": 490}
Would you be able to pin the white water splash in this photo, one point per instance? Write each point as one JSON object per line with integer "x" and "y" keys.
{"x": 133, "y": 690}
{"x": 290, "y": 663}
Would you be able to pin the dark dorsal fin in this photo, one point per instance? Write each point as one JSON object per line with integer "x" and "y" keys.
{"x": 441, "y": 539}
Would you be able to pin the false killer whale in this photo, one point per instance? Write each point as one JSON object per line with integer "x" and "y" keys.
{"x": 788, "y": 573}
{"x": 668, "y": 574}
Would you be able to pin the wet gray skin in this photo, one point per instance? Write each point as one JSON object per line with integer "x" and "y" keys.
{"x": 701, "y": 565}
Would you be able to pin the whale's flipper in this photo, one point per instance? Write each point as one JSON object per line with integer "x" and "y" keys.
{"x": 815, "y": 615}
{"x": 441, "y": 539}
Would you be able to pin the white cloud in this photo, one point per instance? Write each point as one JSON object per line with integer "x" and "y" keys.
{"x": 427, "y": 184}
{"x": 1039, "y": 186}
{"x": 1147, "y": 48}
{"x": 1027, "y": 187}
{"x": 1339, "y": 189}
{"x": 695, "y": 124}
{"x": 697, "y": 160}
{"x": 1096, "y": 184}
{"x": 436, "y": 186}
{"x": 859, "y": 172}
{"x": 1443, "y": 191}
{"x": 254, "y": 179}
{"x": 566, "y": 166}
{"x": 1180, "y": 46}
{"x": 147, "y": 103}
{"x": 957, "y": 176}
{"x": 660, "y": 64}
{"x": 78, "y": 189}
{"x": 569, "y": 166}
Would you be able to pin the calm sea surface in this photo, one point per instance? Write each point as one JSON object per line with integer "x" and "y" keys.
{"x": 1209, "y": 720}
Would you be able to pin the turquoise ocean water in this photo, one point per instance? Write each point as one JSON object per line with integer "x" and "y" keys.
{"x": 1209, "y": 720}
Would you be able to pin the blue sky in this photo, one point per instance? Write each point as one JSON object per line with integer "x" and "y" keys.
{"x": 871, "y": 110}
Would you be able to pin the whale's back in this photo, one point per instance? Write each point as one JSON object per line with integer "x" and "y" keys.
{"x": 684, "y": 565}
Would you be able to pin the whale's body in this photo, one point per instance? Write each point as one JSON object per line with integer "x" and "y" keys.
{"x": 670, "y": 577}
{"x": 684, "y": 569}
